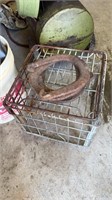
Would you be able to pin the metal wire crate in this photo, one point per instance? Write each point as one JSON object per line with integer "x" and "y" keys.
{"x": 72, "y": 121}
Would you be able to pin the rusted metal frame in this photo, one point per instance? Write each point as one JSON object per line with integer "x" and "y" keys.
{"x": 43, "y": 110}
{"x": 29, "y": 56}
{"x": 101, "y": 86}
{"x": 70, "y": 49}
{"x": 22, "y": 70}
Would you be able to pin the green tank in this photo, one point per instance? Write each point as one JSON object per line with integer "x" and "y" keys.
{"x": 65, "y": 24}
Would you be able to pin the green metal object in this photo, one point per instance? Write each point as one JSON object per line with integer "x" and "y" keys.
{"x": 28, "y": 8}
{"x": 67, "y": 25}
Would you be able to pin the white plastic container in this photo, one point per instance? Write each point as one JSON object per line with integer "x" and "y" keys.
{"x": 8, "y": 72}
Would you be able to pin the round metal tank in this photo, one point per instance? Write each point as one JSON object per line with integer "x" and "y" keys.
{"x": 28, "y": 7}
{"x": 65, "y": 24}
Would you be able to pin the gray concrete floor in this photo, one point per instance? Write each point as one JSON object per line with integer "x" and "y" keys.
{"x": 37, "y": 169}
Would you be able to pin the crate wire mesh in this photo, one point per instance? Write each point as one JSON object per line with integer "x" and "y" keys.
{"x": 71, "y": 121}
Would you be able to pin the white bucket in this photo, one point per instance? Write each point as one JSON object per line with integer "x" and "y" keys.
{"x": 8, "y": 72}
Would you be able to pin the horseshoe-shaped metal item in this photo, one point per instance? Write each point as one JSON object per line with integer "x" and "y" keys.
{"x": 70, "y": 91}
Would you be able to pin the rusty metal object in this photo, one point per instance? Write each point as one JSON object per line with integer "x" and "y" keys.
{"x": 36, "y": 78}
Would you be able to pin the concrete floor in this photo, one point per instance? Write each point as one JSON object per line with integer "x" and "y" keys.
{"x": 37, "y": 169}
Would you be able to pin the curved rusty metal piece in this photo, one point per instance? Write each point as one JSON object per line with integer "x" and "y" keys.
{"x": 68, "y": 92}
